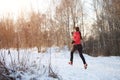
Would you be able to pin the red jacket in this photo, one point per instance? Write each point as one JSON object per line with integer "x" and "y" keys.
{"x": 77, "y": 38}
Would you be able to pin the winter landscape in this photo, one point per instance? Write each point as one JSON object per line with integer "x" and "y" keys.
{"x": 59, "y": 39}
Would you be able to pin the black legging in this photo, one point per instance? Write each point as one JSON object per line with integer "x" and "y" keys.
{"x": 79, "y": 48}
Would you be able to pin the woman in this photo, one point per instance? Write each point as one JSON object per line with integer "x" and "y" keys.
{"x": 77, "y": 46}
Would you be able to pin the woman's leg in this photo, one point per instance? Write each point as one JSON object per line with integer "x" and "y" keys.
{"x": 79, "y": 47}
{"x": 71, "y": 54}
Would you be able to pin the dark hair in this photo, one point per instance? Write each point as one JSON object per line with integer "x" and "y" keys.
{"x": 77, "y": 28}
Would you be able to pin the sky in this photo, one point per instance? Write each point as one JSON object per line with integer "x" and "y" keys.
{"x": 15, "y": 7}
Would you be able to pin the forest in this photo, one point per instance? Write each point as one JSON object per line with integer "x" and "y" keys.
{"x": 100, "y": 32}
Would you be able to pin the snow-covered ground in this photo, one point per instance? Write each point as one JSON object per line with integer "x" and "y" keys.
{"x": 35, "y": 66}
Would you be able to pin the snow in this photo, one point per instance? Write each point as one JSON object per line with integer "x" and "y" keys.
{"x": 35, "y": 66}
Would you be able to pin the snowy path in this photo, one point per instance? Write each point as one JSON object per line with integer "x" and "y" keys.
{"x": 99, "y": 68}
